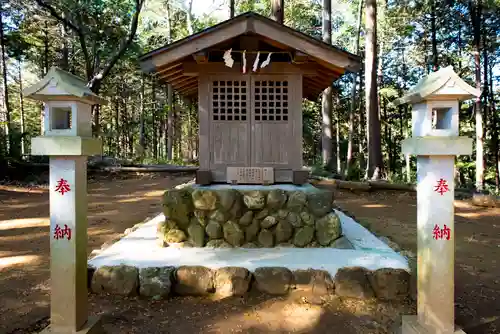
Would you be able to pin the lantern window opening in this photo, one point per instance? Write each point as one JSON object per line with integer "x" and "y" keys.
{"x": 441, "y": 118}
{"x": 61, "y": 118}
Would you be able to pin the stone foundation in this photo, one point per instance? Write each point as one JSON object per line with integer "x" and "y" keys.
{"x": 159, "y": 283}
{"x": 249, "y": 217}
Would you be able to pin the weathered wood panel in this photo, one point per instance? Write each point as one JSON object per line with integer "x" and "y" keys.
{"x": 230, "y": 144}
{"x": 204, "y": 122}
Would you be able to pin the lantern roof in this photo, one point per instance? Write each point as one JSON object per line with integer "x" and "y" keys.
{"x": 443, "y": 84}
{"x": 60, "y": 85}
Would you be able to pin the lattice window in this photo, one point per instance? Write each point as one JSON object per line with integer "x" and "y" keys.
{"x": 271, "y": 100}
{"x": 229, "y": 100}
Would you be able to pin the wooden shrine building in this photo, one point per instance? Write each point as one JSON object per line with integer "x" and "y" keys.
{"x": 249, "y": 75}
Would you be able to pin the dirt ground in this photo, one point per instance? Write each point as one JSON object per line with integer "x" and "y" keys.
{"x": 115, "y": 205}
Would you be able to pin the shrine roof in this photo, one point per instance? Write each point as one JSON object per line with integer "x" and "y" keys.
{"x": 325, "y": 62}
{"x": 67, "y": 84}
{"x": 442, "y": 84}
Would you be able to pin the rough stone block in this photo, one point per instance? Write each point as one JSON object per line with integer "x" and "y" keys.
{"x": 232, "y": 281}
{"x": 155, "y": 282}
{"x": 353, "y": 282}
{"x": 194, "y": 281}
{"x": 178, "y": 206}
{"x": 273, "y": 280}
{"x": 390, "y": 284}
{"x": 119, "y": 280}
{"x": 317, "y": 282}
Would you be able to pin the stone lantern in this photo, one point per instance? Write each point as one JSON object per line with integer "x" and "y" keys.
{"x": 436, "y": 142}
{"x": 67, "y": 140}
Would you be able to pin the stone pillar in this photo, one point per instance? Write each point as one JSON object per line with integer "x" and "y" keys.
{"x": 67, "y": 140}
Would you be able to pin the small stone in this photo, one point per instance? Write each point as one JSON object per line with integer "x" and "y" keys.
{"x": 204, "y": 199}
{"x": 238, "y": 207}
{"x": 155, "y": 282}
{"x": 353, "y": 282}
{"x": 233, "y": 234}
{"x": 232, "y": 281}
{"x": 268, "y": 222}
{"x": 194, "y": 281}
{"x": 284, "y": 231}
{"x": 294, "y": 219}
{"x": 341, "y": 243}
{"x": 328, "y": 229}
{"x": 175, "y": 236}
{"x": 200, "y": 217}
{"x": 218, "y": 216}
{"x": 252, "y": 231}
{"x": 178, "y": 206}
{"x": 273, "y": 280}
{"x": 266, "y": 239}
{"x": 214, "y": 230}
{"x": 282, "y": 214}
{"x": 262, "y": 214}
{"x": 249, "y": 245}
{"x": 275, "y": 199}
{"x": 254, "y": 200}
{"x": 119, "y": 280}
{"x": 197, "y": 234}
{"x": 303, "y": 236}
{"x": 296, "y": 201}
{"x": 390, "y": 243}
{"x": 390, "y": 284}
{"x": 227, "y": 197}
{"x": 247, "y": 218}
{"x": 320, "y": 202}
{"x": 307, "y": 218}
{"x": 166, "y": 226}
{"x": 219, "y": 243}
{"x": 318, "y": 282}
{"x": 285, "y": 245}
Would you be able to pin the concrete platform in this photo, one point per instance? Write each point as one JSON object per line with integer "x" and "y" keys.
{"x": 412, "y": 326}
{"x": 140, "y": 249}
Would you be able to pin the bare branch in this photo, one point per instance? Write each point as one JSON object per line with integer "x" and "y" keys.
{"x": 77, "y": 29}
{"x": 95, "y": 81}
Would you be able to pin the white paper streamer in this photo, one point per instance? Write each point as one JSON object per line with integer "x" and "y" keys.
{"x": 244, "y": 61}
{"x": 256, "y": 62}
{"x": 267, "y": 61}
{"x": 228, "y": 59}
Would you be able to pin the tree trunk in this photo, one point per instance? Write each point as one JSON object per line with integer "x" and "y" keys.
{"x": 350, "y": 144}
{"x": 435, "y": 64}
{"x": 21, "y": 105}
{"x": 142, "y": 129}
{"x": 278, "y": 10}
{"x": 154, "y": 118}
{"x": 495, "y": 139}
{"x": 361, "y": 124}
{"x": 375, "y": 163}
{"x": 8, "y": 127}
{"x": 189, "y": 18}
{"x": 231, "y": 9}
{"x": 476, "y": 26}
{"x": 326, "y": 97}
{"x": 170, "y": 122}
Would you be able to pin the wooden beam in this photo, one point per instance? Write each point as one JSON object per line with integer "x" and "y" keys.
{"x": 187, "y": 83}
{"x": 182, "y": 79}
{"x": 330, "y": 57}
{"x": 300, "y": 57}
{"x": 189, "y": 90}
{"x": 201, "y": 57}
{"x": 164, "y": 69}
{"x": 199, "y": 42}
{"x": 193, "y": 69}
{"x": 171, "y": 74}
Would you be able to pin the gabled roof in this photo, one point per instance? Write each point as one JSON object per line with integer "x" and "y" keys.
{"x": 67, "y": 85}
{"x": 333, "y": 60}
{"x": 444, "y": 83}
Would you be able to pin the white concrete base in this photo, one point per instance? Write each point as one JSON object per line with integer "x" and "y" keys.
{"x": 92, "y": 326}
{"x": 412, "y": 326}
{"x": 140, "y": 249}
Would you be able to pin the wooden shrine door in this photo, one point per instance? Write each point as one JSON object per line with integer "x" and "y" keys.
{"x": 251, "y": 121}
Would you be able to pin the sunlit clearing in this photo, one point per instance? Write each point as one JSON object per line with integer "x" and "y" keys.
{"x": 131, "y": 200}
{"x": 375, "y": 206}
{"x": 23, "y": 223}
{"x": 20, "y": 259}
{"x": 279, "y": 317}
{"x": 154, "y": 193}
{"x": 468, "y": 214}
{"x": 23, "y": 190}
